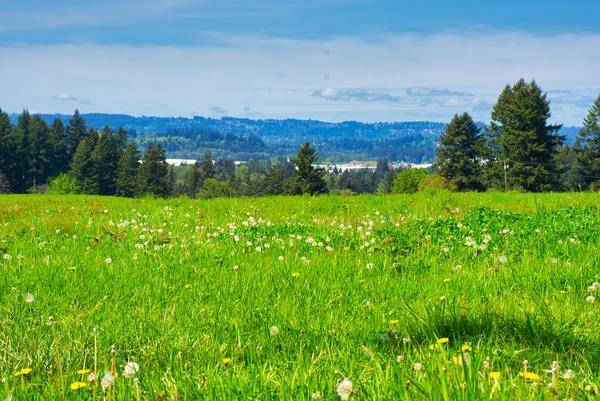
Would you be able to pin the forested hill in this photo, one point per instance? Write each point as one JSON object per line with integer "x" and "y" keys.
{"x": 244, "y": 139}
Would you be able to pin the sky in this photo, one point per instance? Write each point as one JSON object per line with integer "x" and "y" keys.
{"x": 330, "y": 60}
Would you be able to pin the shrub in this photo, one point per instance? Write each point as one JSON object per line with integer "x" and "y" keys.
{"x": 407, "y": 181}
{"x": 64, "y": 184}
{"x": 213, "y": 188}
{"x": 433, "y": 182}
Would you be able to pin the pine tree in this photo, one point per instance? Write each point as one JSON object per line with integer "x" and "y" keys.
{"x": 274, "y": 182}
{"x": 8, "y": 153}
{"x": 82, "y": 165}
{"x": 207, "y": 168}
{"x": 105, "y": 157}
{"x": 127, "y": 172}
{"x": 22, "y": 135}
{"x": 192, "y": 181}
{"x": 525, "y": 141}
{"x": 59, "y": 157}
{"x": 307, "y": 178}
{"x": 38, "y": 153}
{"x": 153, "y": 177}
{"x": 587, "y": 149}
{"x": 459, "y": 154}
{"x": 76, "y": 132}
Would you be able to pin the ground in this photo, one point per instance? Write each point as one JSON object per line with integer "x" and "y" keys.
{"x": 430, "y": 296}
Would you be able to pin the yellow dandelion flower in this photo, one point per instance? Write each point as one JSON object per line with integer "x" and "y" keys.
{"x": 465, "y": 348}
{"x": 295, "y": 274}
{"x": 531, "y": 376}
{"x": 455, "y": 360}
{"x": 446, "y": 280}
{"x": 78, "y": 385}
{"x": 227, "y": 361}
{"x": 83, "y": 371}
{"x": 495, "y": 375}
{"x": 395, "y": 321}
{"x": 187, "y": 286}
{"x": 442, "y": 340}
{"x": 22, "y": 372}
{"x": 432, "y": 346}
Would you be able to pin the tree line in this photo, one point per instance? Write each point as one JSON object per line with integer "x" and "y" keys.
{"x": 519, "y": 150}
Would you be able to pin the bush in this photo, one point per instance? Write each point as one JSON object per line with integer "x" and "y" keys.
{"x": 63, "y": 184}
{"x": 407, "y": 181}
{"x": 214, "y": 188}
{"x": 433, "y": 182}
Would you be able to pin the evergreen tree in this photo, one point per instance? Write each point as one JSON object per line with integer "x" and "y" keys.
{"x": 105, "y": 157}
{"x": 307, "y": 178}
{"x": 8, "y": 153}
{"x": 76, "y": 132}
{"x": 459, "y": 154}
{"x": 587, "y": 149}
{"x": 38, "y": 153}
{"x": 525, "y": 141}
{"x": 83, "y": 167}
{"x": 274, "y": 182}
{"x": 127, "y": 172}
{"x": 192, "y": 180}
{"x": 59, "y": 157}
{"x": 22, "y": 135}
{"x": 153, "y": 177}
{"x": 207, "y": 168}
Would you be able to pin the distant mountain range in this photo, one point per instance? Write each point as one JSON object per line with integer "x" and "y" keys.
{"x": 243, "y": 139}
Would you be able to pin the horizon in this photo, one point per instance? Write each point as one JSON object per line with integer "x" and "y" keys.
{"x": 329, "y": 61}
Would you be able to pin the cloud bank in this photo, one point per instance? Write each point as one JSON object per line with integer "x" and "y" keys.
{"x": 397, "y": 77}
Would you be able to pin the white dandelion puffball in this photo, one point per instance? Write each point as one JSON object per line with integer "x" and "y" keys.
{"x": 344, "y": 389}
{"x": 568, "y": 375}
{"x": 417, "y": 366}
{"x": 590, "y": 299}
{"x": 108, "y": 261}
{"x": 130, "y": 369}
{"x": 502, "y": 259}
{"x": 107, "y": 380}
{"x": 274, "y": 330}
{"x": 29, "y": 298}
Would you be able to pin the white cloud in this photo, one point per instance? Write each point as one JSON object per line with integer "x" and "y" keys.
{"x": 394, "y": 78}
{"x": 66, "y": 98}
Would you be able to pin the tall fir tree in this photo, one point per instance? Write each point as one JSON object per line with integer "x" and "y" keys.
{"x": 22, "y": 134}
{"x": 307, "y": 178}
{"x": 127, "y": 172}
{"x": 459, "y": 154}
{"x": 38, "y": 153}
{"x": 192, "y": 180}
{"x": 587, "y": 149}
{"x": 105, "y": 157}
{"x": 76, "y": 132}
{"x": 57, "y": 138}
{"x": 207, "y": 168}
{"x": 526, "y": 143}
{"x": 83, "y": 168}
{"x": 8, "y": 153}
{"x": 153, "y": 177}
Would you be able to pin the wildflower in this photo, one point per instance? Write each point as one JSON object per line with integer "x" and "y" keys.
{"x": 465, "y": 348}
{"x": 78, "y": 385}
{"x": 107, "y": 380}
{"x": 7, "y": 256}
{"x": 369, "y": 265}
{"x": 568, "y": 375}
{"x": 394, "y": 321}
{"x": 108, "y": 261}
{"x": 442, "y": 340}
{"x": 590, "y": 299}
{"x": 295, "y": 274}
{"x": 594, "y": 287}
{"x": 418, "y": 366}
{"x": 29, "y": 298}
{"x": 92, "y": 377}
{"x": 432, "y": 347}
{"x": 554, "y": 367}
{"x": 22, "y": 372}
{"x": 344, "y": 389}
{"x": 531, "y": 376}
{"x": 227, "y": 361}
{"x": 280, "y": 258}
{"x": 316, "y": 395}
{"x": 495, "y": 376}
{"x": 446, "y": 280}
{"x": 83, "y": 371}
{"x": 502, "y": 259}
{"x": 274, "y": 330}
{"x": 130, "y": 369}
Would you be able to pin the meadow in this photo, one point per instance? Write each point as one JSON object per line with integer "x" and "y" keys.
{"x": 432, "y": 296}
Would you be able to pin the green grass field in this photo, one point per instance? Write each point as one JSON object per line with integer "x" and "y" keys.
{"x": 434, "y": 296}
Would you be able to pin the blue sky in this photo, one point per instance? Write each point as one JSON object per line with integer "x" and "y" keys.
{"x": 330, "y": 59}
